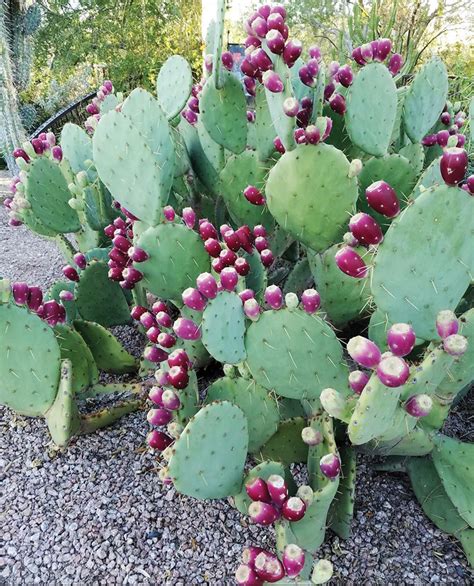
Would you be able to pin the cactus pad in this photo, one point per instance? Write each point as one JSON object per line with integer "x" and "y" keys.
{"x": 425, "y": 99}
{"x": 176, "y": 257}
{"x": 63, "y": 416}
{"x": 264, "y": 131}
{"x": 173, "y": 85}
{"x": 341, "y": 511}
{"x": 69, "y": 306}
{"x": 214, "y": 152}
{"x": 77, "y": 148}
{"x": 283, "y": 125}
{"x": 223, "y": 328}
{"x": 440, "y": 269}
{"x": 294, "y": 353}
{"x": 429, "y": 178}
{"x": 286, "y": 445}
{"x": 313, "y": 206}
{"x": 371, "y": 109}
{"x": 260, "y": 409}
{"x": 74, "y": 349}
{"x": 219, "y": 433}
{"x": 30, "y": 364}
{"x": 48, "y": 194}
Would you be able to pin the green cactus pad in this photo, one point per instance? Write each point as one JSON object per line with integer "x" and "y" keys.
{"x": 173, "y": 85}
{"x": 454, "y": 462}
{"x": 62, "y": 417}
{"x": 263, "y": 470}
{"x": 176, "y": 257}
{"x": 371, "y": 109}
{"x": 432, "y": 497}
{"x": 343, "y": 298}
{"x": 313, "y": 206}
{"x": 48, "y": 194}
{"x": 110, "y": 102}
{"x": 427, "y": 375}
{"x": 223, "y": 328}
{"x": 415, "y": 443}
{"x": 29, "y": 361}
{"x": 264, "y": 130}
{"x": 69, "y": 306}
{"x": 189, "y": 398}
{"x": 378, "y": 327}
{"x": 440, "y": 269}
{"x": 134, "y": 155}
{"x": 108, "y": 352}
{"x": 294, "y": 353}
{"x": 425, "y": 99}
{"x": 99, "y": 299}
{"x": 283, "y": 125}
{"x": 321, "y": 422}
{"x": 197, "y": 354}
{"x": 240, "y": 171}
{"x": 286, "y": 445}
{"x": 74, "y": 349}
{"x": 257, "y": 277}
{"x": 431, "y": 177}
{"x": 374, "y": 411}
{"x": 415, "y": 153}
{"x": 77, "y": 148}
{"x": 466, "y": 538}
{"x": 300, "y": 278}
{"x": 341, "y": 511}
{"x": 224, "y": 112}
{"x": 258, "y": 406}
{"x": 214, "y": 152}
{"x": 209, "y": 456}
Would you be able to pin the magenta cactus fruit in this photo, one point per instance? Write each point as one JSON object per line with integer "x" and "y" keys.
{"x": 260, "y": 60}
{"x": 330, "y": 465}
{"x": 137, "y": 311}
{"x": 291, "y": 107}
{"x": 242, "y": 267}
{"x": 80, "y": 260}
{"x": 442, "y": 138}
{"x": 273, "y": 296}
{"x": 315, "y": 52}
{"x": 178, "y": 377}
{"x": 310, "y": 300}
{"x": 419, "y": 405}
{"x": 229, "y": 278}
{"x": 365, "y": 229}
{"x": 189, "y": 217}
{"x": 207, "y": 230}
{"x": 357, "y": 381}
{"x": 193, "y": 299}
{"x": 259, "y": 230}
{"x": 446, "y": 323}
{"x": 21, "y": 154}
{"x": 455, "y": 345}
{"x": 147, "y": 319}
{"x": 383, "y": 49}
{"x": 227, "y": 60}
{"x": 161, "y": 377}
{"x": 158, "y": 440}
{"x": 155, "y": 354}
{"x": 169, "y": 213}
{"x": 179, "y": 358}
{"x": 275, "y": 41}
{"x": 293, "y": 560}
{"x": 445, "y": 118}
{"x": 268, "y": 567}
{"x": 57, "y": 153}
{"x": 159, "y": 416}
{"x": 267, "y": 258}
{"x": 392, "y": 370}
{"x": 430, "y": 140}
{"x": 232, "y": 240}
{"x": 20, "y": 293}
{"x": 311, "y": 436}
{"x": 122, "y": 243}
{"x": 170, "y": 400}
{"x": 252, "y": 309}
{"x": 382, "y": 198}
{"x": 250, "y": 553}
{"x": 246, "y": 576}
{"x": 70, "y": 273}
{"x": 345, "y": 76}
{"x": 279, "y": 145}
{"x": 263, "y": 513}
{"x": 246, "y": 294}
{"x": 153, "y": 333}
{"x": 272, "y": 81}
{"x": 293, "y": 509}
{"x": 306, "y": 77}
{"x": 163, "y": 319}
{"x": 312, "y": 134}
{"x": 254, "y": 196}
{"x": 337, "y": 103}
{"x": 132, "y": 275}
{"x": 166, "y": 340}
{"x": 277, "y": 488}
{"x": 367, "y": 52}
{"x": 261, "y": 243}
{"x": 292, "y": 52}
{"x": 257, "y": 490}
{"x": 137, "y": 254}
{"x": 207, "y": 285}
{"x": 364, "y": 351}
{"x": 351, "y": 263}
{"x": 186, "y": 329}
{"x": 155, "y": 395}
{"x": 329, "y": 89}
{"x": 35, "y": 298}
{"x": 453, "y": 165}
{"x": 213, "y": 247}
{"x": 357, "y": 56}
{"x": 401, "y": 339}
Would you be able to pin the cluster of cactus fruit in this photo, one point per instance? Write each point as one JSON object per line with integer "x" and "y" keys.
{"x": 222, "y": 231}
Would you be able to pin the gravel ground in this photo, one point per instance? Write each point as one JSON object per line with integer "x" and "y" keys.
{"x": 96, "y": 513}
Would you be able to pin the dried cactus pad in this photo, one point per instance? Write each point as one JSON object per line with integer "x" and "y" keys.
{"x": 29, "y": 363}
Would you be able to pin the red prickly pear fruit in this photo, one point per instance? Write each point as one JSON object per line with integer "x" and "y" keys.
{"x": 382, "y": 198}
{"x": 193, "y": 104}
{"x": 248, "y": 68}
{"x": 137, "y": 254}
{"x": 278, "y": 9}
{"x": 252, "y": 41}
{"x": 392, "y": 370}
{"x": 155, "y": 395}
{"x": 259, "y": 27}
{"x": 254, "y": 196}
{"x": 223, "y": 229}
{"x": 383, "y": 49}
{"x": 252, "y": 309}
{"x": 312, "y": 134}
{"x": 367, "y": 52}
{"x": 446, "y": 323}
{"x": 57, "y": 153}
{"x": 267, "y": 258}
{"x": 115, "y": 274}
{"x": 268, "y": 567}
{"x": 147, "y": 320}
{"x": 207, "y": 230}
{"x": 345, "y": 75}
{"x": 455, "y": 345}
{"x": 229, "y": 278}
{"x": 179, "y": 358}
{"x": 159, "y": 416}
{"x": 170, "y": 400}
{"x": 251, "y": 116}
{"x": 263, "y": 513}
{"x": 80, "y": 260}
{"x": 227, "y": 60}
{"x": 259, "y": 230}
{"x": 191, "y": 117}
{"x": 158, "y": 440}
{"x": 395, "y": 63}
{"x": 163, "y": 319}
{"x": 92, "y": 109}
{"x": 445, "y": 118}
{"x": 155, "y": 354}
{"x": 261, "y": 243}
{"x": 419, "y": 405}
{"x": 109, "y": 230}
{"x": 273, "y": 296}
{"x": 132, "y": 275}
{"x": 276, "y": 22}
{"x": 189, "y": 217}
{"x": 70, "y": 273}
{"x": 293, "y": 509}
{"x": 357, "y": 56}
{"x": 275, "y": 41}
{"x": 357, "y": 381}
{"x": 311, "y": 437}
{"x": 293, "y": 560}
{"x": 315, "y": 52}
{"x": 20, "y": 293}
{"x": 118, "y": 256}
{"x": 364, "y": 351}
{"x": 186, "y": 329}
{"x": 257, "y": 490}
{"x": 277, "y": 488}
{"x": 260, "y": 60}
{"x": 250, "y": 85}
{"x": 365, "y": 229}
{"x": 291, "y": 107}
{"x": 351, "y": 263}
{"x": 313, "y": 67}
{"x": 453, "y": 165}
{"x": 249, "y": 555}
{"x": 246, "y": 294}
{"x": 246, "y": 576}
{"x": 329, "y": 89}
{"x": 292, "y": 52}
{"x": 338, "y": 103}
{"x": 161, "y": 376}
{"x": 232, "y": 240}
{"x": 333, "y": 69}
{"x": 126, "y": 284}
{"x": 227, "y": 258}
{"x": 461, "y": 140}
{"x": 158, "y": 307}
{"x": 430, "y": 140}
{"x": 178, "y": 377}
{"x": 245, "y": 238}
{"x": 21, "y": 154}
{"x": 310, "y": 300}
{"x": 305, "y": 76}
{"x": 279, "y": 145}
{"x": 401, "y": 339}
{"x": 242, "y": 266}
{"x": 153, "y": 333}
{"x": 166, "y": 340}
{"x": 193, "y": 299}
{"x": 264, "y": 11}
{"x": 330, "y": 465}
{"x": 169, "y": 213}
{"x": 442, "y": 138}
{"x": 122, "y": 243}
{"x": 272, "y": 81}
{"x": 207, "y": 285}
{"x": 35, "y": 298}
